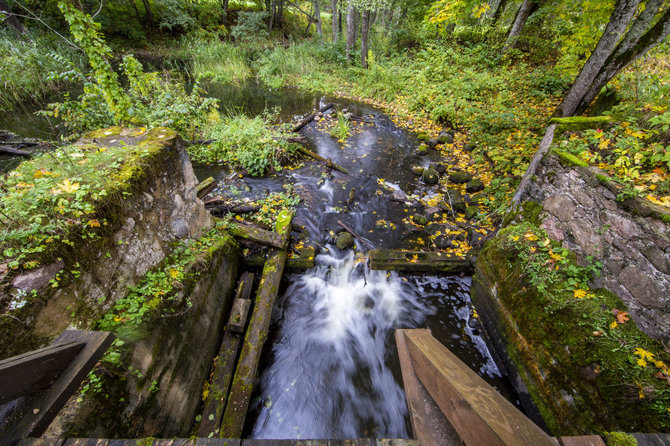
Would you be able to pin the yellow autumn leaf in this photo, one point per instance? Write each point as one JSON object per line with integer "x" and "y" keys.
{"x": 174, "y": 273}
{"x": 613, "y": 325}
{"x": 67, "y": 186}
{"x": 643, "y": 354}
{"x": 579, "y": 294}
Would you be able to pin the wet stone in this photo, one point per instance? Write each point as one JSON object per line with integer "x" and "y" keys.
{"x": 422, "y": 150}
{"x": 471, "y": 212}
{"x": 445, "y": 138}
{"x": 460, "y": 177}
{"x": 439, "y": 167}
{"x": 420, "y": 219}
{"x": 344, "y": 241}
{"x": 476, "y": 237}
{"x": 432, "y": 143}
{"x": 443, "y": 242}
{"x": 430, "y": 176}
{"x": 474, "y": 186}
{"x": 417, "y": 170}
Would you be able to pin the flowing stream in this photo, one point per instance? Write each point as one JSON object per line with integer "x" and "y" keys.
{"x": 330, "y": 367}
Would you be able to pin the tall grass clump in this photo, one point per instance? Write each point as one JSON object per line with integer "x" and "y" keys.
{"x": 285, "y": 66}
{"x": 252, "y": 144}
{"x": 26, "y": 64}
{"x": 215, "y": 59}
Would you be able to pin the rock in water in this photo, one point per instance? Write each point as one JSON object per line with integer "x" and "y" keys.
{"x": 422, "y": 137}
{"x": 474, "y": 185}
{"x": 441, "y": 168}
{"x": 422, "y": 150}
{"x": 417, "y": 170}
{"x": 420, "y": 219}
{"x": 430, "y": 176}
{"x": 432, "y": 143}
{"x": 460, "y": 177}
{"x": 344, "y": 241}
{"x": 454, "y": 199}
{"x": 445, "y": 138}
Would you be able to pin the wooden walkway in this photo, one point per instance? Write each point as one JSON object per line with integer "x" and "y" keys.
{"x": 211, "y": 442}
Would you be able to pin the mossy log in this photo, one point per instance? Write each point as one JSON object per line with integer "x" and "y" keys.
{"x": 12, "y": 151}
{"x": 417, "y": 261}
{"x": 304, "y": 260}
{"x": 222, "y": 374}
{"x": 258, "y": 235}
{"x": 302, "y": 124}
{"x": 205, "y": 187}
{"x": 257, "y": 332}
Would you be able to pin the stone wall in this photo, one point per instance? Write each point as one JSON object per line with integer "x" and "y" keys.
{"x": 630, "y": 237}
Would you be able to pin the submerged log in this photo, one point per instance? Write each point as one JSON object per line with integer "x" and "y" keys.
{"x": 417, "y": 261}
{"x": 258, "y": 235}
{"x": 215, "y": 401}
{"x": 205, "y": 187}
{"x": 318, "y": 157}
{"x": 257, "y": 332}
{"x": 299, "y": 126}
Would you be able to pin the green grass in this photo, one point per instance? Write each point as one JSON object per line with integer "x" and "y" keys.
{"x": 25, "y": 67}
{"x": 251, "y": 144}
{"x": 217, "y": 60}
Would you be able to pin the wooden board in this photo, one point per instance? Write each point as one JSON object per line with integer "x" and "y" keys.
{"x": 41, "y": 442}
{"x": 238, "y": 315}
{"x": 28, "y": 373}
{"x": 257, "y": 332}
{"x": 205, "y": 187}
{"x": 582, "y": 440}
{"x": 652, "y": 439}
{"x": 429, "y": 424}
{"x": 303, "y": 260}
{"x": 258, "y": 235}
{"x": 48, "y": 406}
{"x": 478, "y": 413}
{"x": 218, "y": 442}
{"x": 417, "y": 261}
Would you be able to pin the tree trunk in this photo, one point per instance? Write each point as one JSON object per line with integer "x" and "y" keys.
{"x": 12, "y": 20}
{"x": 626, "y": 53}
{"x": 619, "y": 20}
{"x": 137, "y": 11}
{"x": 357, "y": 20}
{"x": 365, "y": 28}
{"x": 280, "y": 14}
{"x": 310, "y": 18}
{"x": 150, "y": 16}
{"x": 502, "y": 4}
{"x": 350, "y": 30}
{"x": 336, "y": 21}
{"x": 527, "y": 7}
{"x": 317, "y": 13}
{"x": 224, "y": 7}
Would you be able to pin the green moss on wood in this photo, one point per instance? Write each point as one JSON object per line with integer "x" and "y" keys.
{"x": 568, "y": 159}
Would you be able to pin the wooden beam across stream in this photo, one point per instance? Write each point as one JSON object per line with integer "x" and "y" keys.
{"x": 475, "y": 410}
{"x": 418, "y": 262}
{"x": 257, "y": 332}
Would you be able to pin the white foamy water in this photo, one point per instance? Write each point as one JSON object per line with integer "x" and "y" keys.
{"x": 329, "y": 376}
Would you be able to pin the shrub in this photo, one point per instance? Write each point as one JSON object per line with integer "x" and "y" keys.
{"x": 250, "y": 26}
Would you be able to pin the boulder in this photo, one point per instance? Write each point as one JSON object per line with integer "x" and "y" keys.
{"x": 344, "y": 241}
{"x": 430, "y": 176}
{"x": 422, "y": 136}
{"x": 422, "y": 150}
{"x": 460, "y": 177}
{"x": 441, "y": 168}
{"x": 417, "y": 170}
{"x": 420, "y": 219}
{"x": 471, "y": 212}
{"x": 474, "y": 185}
{"x": 445, "y": 138}
{"x": 432, "y": 143}
{"x": 455, "y": 200}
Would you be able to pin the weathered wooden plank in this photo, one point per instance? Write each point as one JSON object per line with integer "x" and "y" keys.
{"x": 258, "y": 235}
{"x": 41, "y": 442}
{"x": 33, "y": 371}
{"x": 397, "y": 442}
{"x": 87, "y": 442}
{"x": 238, "y": 315}
{"x": 219, "y": 385}
{"x": 169, "y": 442}
{"x": 428, "y": 423}
{"x": 46, "y": 408}
{"x": 652, "y": 439}
{"x": 476, "y": 410}
{"x": 583, "y": 440}
{"x": 303, "y": 260}
{"x": 218, "y": 442}
{"x": 257, "y": 332}
{"x": 208, "y": 185}
{"x": 417, "y": 261}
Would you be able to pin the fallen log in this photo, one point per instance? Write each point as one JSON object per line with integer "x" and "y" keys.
{"x": 329, "y": 163}
{"x": 215, "y": 401}
{"x": 12, "y": 151}
{"x": 205, "y": 187}
{"x": 419, "y": 262}
{"x": 299, "y": 126}
{"x": 257, "y": 332}
{"x": 258, "y": 235}
{"x": 351, "y": 231}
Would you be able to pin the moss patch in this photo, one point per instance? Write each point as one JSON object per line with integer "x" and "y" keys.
{"x": 586, "y": 364}
{"x": 568, "y": 159}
